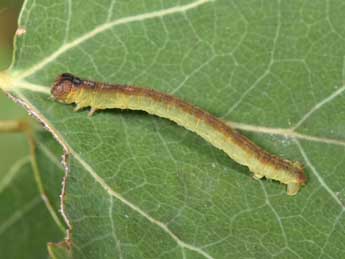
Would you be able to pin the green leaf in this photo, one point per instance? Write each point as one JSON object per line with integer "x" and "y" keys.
{"x": 25, "y": 223}
{"x": 139, "y": 186}
{"x": 13, "y": 146}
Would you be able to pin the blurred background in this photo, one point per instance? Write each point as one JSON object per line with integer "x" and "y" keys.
{"x": 9, "y": 11}
{"x": 13, "y": 146}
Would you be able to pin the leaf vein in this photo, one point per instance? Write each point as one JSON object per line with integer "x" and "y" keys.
{"x": 118, "y": 196}
{"x": 106, "y": 26}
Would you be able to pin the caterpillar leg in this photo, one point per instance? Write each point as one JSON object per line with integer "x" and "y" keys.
{"x": 257, "y": 176}
{"x": 92, "y": 111}
{"x": 77, "y": 108}
{"x": 293, "y": 188}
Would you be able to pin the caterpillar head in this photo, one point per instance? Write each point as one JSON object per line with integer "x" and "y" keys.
{"x": 64, "y": 85}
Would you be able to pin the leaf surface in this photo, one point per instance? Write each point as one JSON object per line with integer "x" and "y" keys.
{"x": 142, "y": 187}
{"x": 23, "y": 214}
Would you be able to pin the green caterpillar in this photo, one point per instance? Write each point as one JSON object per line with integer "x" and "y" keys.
{"x": 85, "y": 93}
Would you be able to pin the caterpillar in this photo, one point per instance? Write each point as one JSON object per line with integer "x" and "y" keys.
{"x": 97, "y": 95}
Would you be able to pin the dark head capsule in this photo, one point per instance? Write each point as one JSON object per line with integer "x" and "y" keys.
{"x": 73, "y": 79}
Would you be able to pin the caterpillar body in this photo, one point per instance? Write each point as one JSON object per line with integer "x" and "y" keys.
{"x": 85, "y": 93}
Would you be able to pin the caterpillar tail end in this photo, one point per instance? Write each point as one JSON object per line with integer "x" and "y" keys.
{"x": 293, "y": 188}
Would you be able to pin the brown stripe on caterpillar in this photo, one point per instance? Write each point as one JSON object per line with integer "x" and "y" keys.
{"x": 67, "y": 89}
